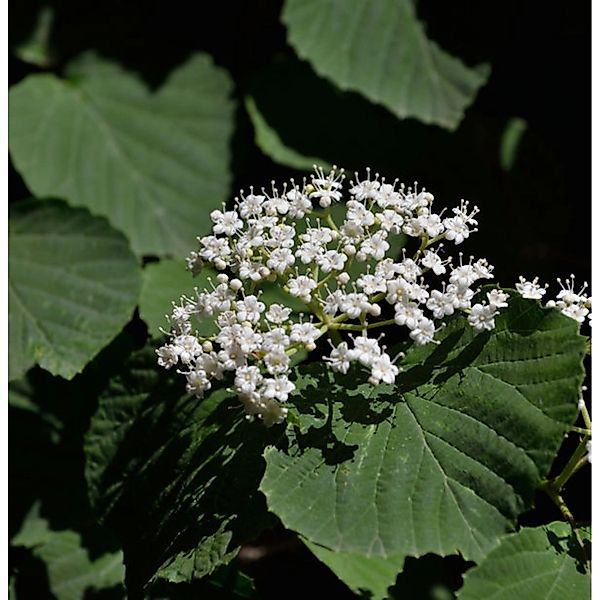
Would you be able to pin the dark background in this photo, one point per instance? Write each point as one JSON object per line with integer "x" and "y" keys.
{"x": 535, "y": 218}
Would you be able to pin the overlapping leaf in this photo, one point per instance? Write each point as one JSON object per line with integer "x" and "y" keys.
{"x": 174, "y": 476}
{"x": 444, "y": 461}
{"x": 371, "y": 576}
{"x": 540, "y": 563}
{"x": 163, "y": 283}
{"x": 72, "y": 568}
{"x": 152, "y": 163}
{"x": 270, "y": 142}
{"x": 73, "y": 284}
{"x": 380, "y": 50}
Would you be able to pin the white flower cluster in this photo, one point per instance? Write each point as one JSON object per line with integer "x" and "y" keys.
{"x": 576, "y": 305}
{"x": 331, "y": 253}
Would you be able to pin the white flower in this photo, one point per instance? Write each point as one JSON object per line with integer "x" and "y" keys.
{"x": 359, "y": 214}
{"x": 304, "y": 333}
{"x": 497, "y": 298}
{"x": 276, "y": 361}
{"x": 481, "y": 317}
{"x": 249, "y": 309}
{"x": 530, "y": 289}
{"x": 409, "y": 269}
{"x": 214, "y": 248}
{"x": 247, "y": 379}
{"x": 278, "y": 388}
{"x": 375, "y": 247}
{"x": 575, "y": 311}
{"x": 365, "y": 190}
{"x": 276, "y": 205}
{"x": 309, "y": 252}
{"x": 275, "y": 337}
{"x": 273, "y": 413}
{"x": 432, "y": 261}
{"x": 228, "y": 222}
{"x": 280, "y": 260}
{"x": 408, "y": 313}
{"x": 197, "y": 383}
{"x": 333, "y": 303}
{"x": 167, "y": 356}
{"x": 251, "y": 206}
{"x": 390, "y": 221}
{"x": 382, "y": 369}
{"x": 365, "y": 350}
{"x": 301, "y": 287}
{"x": 340, "y": 358}
{"x": 371, "y": 284}
{"x": 355, "y": 304}
{"x": 299, "y": 204}
{"x": 187, "y": 348}
{"x": 431, "y": 224}
{"x": 331, "y": 261}
{"x": 387, "y": 196}
{"x": 352, "y": 231}
{"x": 440, "y": 304}
{"x": 278, "y": 314}
{"x": 255, "y": 271}
{"x": 423, "y": 333}
{"x": 588, "y": 447}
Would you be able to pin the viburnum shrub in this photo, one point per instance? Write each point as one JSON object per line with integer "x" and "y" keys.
{"x": 293, "y": 236}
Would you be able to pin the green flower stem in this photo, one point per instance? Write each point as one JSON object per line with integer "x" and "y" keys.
{"x": 335, "y": 336}
{"x": 586, "y": 417}
{"x": 569, "y": 470}
{"x": 558, "y": 500}
{"x": 349, "y": 327}
{"x": 425, "y": 241}
{"x": 581, "y": 430}
{"x": 329, "y": 220}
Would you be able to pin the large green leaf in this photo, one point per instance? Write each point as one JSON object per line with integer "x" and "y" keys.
{"x": 443, "y": 462}
{"x": 152, "y": 163}
{"x": 174, "y": 476}
{"x": 540, "y": 563}
{"x": 380, "y": 50}
{"x": 366, "y": 576}
{"x": 73, "y": 284}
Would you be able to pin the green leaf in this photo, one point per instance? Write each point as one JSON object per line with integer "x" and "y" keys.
{"x": 72, "y": 568}
{"x": 510, "y": 141}
{"x": 174, "y": 476}
{"x": 269, "y": 141}
{"x": 225, "y": 583}
{"x": 365, "y": 576}
{"x": 380, "y": 50}
{"x": 73, "y": 284}
{"x": 324, "y": 118}
{"x": 443, "y": 462}
{"x": 37, "y": 48}
{"x": 154, "y": 164}
{"x": 165, "y": 282}
{"x": 540, "y": 563}
{"x": 34, "y": 530}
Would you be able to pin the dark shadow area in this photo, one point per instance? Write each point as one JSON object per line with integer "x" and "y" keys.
{"x": 212, "y": 457}
{"x": 430, "y": 577}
